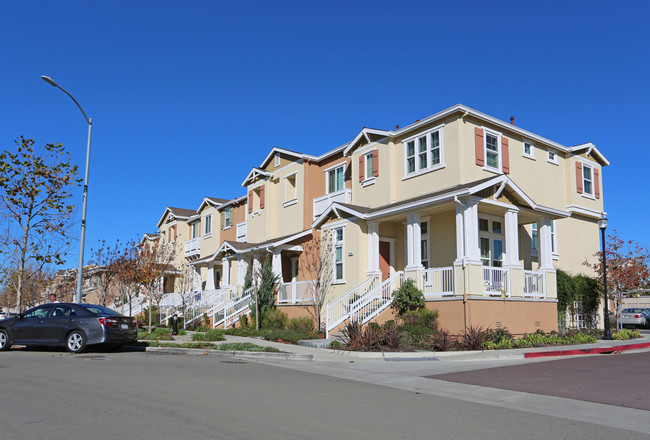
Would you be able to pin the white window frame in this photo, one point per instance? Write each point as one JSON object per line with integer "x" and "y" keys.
{"x": 425, "y": 238}
{"x": 227, "y": 221}
{"x": 531, "y": 153}
{"x": 427, "y": 154}
{"x": 591, "y": 181}
{"x": 499, "y": 153}
{"x": 552, "y": 157}
{"x": 534, "y": 230}
{"x": 294, "y": 199}
{"x": 195, "y": 229}
{"x": 492, "y": 236}
{"x": 207, "y": 230}
{"x": 333, "y": 169}
{"x": 336, "y": 243}
{"x": 277, "y": 160}
{"x": 369, "y": 170}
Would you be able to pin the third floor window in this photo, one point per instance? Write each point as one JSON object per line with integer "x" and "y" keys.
{"x": 335, "y": 179}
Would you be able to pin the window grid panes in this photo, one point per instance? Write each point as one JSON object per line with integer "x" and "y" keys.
{"x": 335, "y": 179}
{"x": 587, "y": 178}
{"x": 492, "y": 150}
{"x": 429, "y": 152}
{"x": 369, "y": 164}
{"x": 338, "y": 254}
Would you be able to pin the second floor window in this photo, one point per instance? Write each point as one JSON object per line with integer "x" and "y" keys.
{"x": 195, "y": 229}
{"x": 491, "y": 151}
{"x": 208, "y": 224}
{"x": 335, "y": 179}
{"x": 587, "y": 179}
{"x": 423, "y": 152}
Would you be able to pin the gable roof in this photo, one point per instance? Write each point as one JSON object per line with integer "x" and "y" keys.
{"x": 285, "y": 152}
{"x": 211, "y": 201}
{"x": 467, "y": 189}
{"x": 591, "y": 149}
{"x": 256, "y": 172}
{"x": 365, "y": 134}
{"x": 179, "y": 213}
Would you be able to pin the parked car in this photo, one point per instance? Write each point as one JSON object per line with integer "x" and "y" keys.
{"x": 73, "y": 326}
{"x": 3, "y": 315}
{"x": 636, "y": 317}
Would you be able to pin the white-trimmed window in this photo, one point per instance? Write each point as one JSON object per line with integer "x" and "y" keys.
{"x": 587, "y": 179}
{"x": 335, "y": 179}
{"x": 534, "y": 238}
{"x": 277, "y": 160}
{"x": 338, "y": 254}
{"x": 290, "y": 194}
{"x": 369, "y": 168}
{"x": 208, "y": 225}
{"x": 492, "y": 150}
{"x": 227, "y": 218}
{"x": 529, "y": 150}
{"x": 424, "y": 244}
{"x": 423, "y": 152}
{"x": 552, "y": 157}
{"x": 195, "y": 229}
{"x": 491, "y": 241}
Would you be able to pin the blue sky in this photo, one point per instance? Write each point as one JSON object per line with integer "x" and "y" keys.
{"x": 187, "y": 96}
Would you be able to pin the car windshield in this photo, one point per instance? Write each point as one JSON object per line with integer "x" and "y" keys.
{"x": 99, "y": 310}
{"x": 632, "y": 310}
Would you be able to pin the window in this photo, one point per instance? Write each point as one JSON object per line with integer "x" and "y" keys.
{"x": 369, "y": 169}
{"x": 491, "y": 151}
{"x": 587, "y": 179}
{"x": 491, "y": 242}
{"x": 335, "y": 179}
{"x": 428, "y": 155}
{"x": 552, "y": 157}
{"x": 290, "y": 188}
{"x": 195, "y": 229}
{"x": 534, "y": 236}
{"x": 338, "y": 254}
{"x": 208, "y": 225}
{"x": 227, "y": 218}
{"x": 424, "y": 244}
{"x": 277, "y": 160}
{"x": 529, "y": 150}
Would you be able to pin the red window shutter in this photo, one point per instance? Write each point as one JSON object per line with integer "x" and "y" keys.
{"x": 375, "y": 163}
{"x": 262, "y": 197}
{"x": 250, "y": 201}
{"x": 596, "y": 183}
{"x": 361, "y": 170}
{"x": 505, "y": 155}
{"x": 478, "y": 146}
{"x": 579, "y": 177}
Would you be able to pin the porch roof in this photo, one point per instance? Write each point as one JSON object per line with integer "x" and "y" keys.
{"x": 466, "y": 189}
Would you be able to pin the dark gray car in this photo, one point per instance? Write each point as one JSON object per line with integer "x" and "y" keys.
{"x": 70, "y": 325}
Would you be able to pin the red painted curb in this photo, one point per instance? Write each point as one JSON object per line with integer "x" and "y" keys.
{"x": 600, "y": 350}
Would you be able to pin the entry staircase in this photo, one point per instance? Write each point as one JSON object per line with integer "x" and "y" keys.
{"x": 363, "y": 302}
{"x": 231, "y": 310}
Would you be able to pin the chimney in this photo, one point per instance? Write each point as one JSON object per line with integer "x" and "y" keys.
{"x": 397, "y": 127}
{"x": 512, "y": 120}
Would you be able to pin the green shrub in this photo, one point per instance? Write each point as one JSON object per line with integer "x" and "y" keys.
{"x": 498, "y": 339}
{"x": 247, "y": 332}
{"x": 274, "y": 318}
{"x": 422, "y": 317}
{"x": 623, "y": 335}
{"x": 216, "y": 334}
{"x": 245, "y": 346}
{"x": 303, "y": 323}
{"x": 408, "y": 297}
{"x": 420, "y": 336}
{"x": 202, "y": 328}
{"x": 159, "y": 334}
{"x": 336, "y": 345}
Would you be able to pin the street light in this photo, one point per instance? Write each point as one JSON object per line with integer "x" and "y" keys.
{"x": 51, "y": 82}
{"x": 602, "y": 224}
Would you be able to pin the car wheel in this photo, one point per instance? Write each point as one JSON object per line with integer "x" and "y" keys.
{"x": 4, "y": 340}
{"x": 75, "y": 342}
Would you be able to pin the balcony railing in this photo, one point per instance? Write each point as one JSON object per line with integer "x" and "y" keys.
{"x": 534, "y": 284}
{"x": 241, "y": 232}
{"x": 496, "y": 281}
{"x": 323, "y": 202}
{"x": 299, "y": 292}
{"x": 437, "y": 282}
{"x": 193, "y": 247}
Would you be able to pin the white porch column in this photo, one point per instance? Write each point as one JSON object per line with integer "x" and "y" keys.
{"x": 242, "y": 268}
{"x": 209, "y": 283}
{"x": 225, "y": 275}
{"x": 545, "y": 247}
{"x": 460, "y": 236}
{"x": 276, "y": 263}
{"x": 196, "y": 278}
{"x": 472, "y": 250}
{"x": 373, "y": 247}
{"x": 511, "y": 257}
{"x": 413, "y": 239}
{"x": 257, "y": 269}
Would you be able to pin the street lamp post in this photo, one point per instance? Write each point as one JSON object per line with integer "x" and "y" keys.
{"x": 602, "y": 224}
{"x": 82, "y": 239}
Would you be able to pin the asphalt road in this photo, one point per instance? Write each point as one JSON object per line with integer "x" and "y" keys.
{"x": 55, "y": 395}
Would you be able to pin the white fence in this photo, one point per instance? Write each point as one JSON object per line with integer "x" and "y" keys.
{"x": 437, "y": 282}
{"x": 496, "y": 281}
{"x": 299, "y": 292}
{"x": 534, "y": 284}
{"x": 323, "y": 202}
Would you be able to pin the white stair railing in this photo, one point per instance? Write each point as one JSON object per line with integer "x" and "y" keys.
{"x": 338, "y": 310}
{"x": 437, "y": 282}
{"x": 376, "y": 300}
{"x": 198, "y": 307}
{"x": 237, "y": 307}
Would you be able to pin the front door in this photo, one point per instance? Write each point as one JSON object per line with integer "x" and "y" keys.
{"x": 384, "y": 259}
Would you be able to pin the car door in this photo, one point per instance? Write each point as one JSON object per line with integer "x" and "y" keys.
{"x": 58, "y": 323}
{"x": 29, "y": 329}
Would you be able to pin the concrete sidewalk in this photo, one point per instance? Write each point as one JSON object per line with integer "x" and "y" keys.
{"x": 325, "y": 354}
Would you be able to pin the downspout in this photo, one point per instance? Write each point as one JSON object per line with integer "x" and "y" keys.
{"x": 464, "y": 265}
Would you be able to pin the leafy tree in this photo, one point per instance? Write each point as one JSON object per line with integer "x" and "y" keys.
{"x": 265, "y": 296}
{"x": 35, "y": 193}
{"x": 627, "y": 268}
{"x": 581, "y": 288}
{"x": 407, "y": 298}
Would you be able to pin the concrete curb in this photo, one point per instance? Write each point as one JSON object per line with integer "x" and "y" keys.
{"x": 241, "y": 354}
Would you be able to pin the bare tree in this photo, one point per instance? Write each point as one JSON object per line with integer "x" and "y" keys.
{"x": 35, "y": 192}
{"x": 108, "y": 261}
{"x": 316, "y": 266}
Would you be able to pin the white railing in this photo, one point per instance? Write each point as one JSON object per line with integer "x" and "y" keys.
{"x": 169, "y": 304}
{"x": 137, "y": 305}
{"x": 338, "y": 310}
{"x": 298, "y": 292}
{"x": 202, "y": 303}
{"x": 238, "y": 307}
{"x": 437, "y": 282}
{"x": 193, "y": 247}
{"x": 376, "y": 300}
{"x": 534, "y": 284}
{"x": 496, "y": 281}
{"x": 241, "y": 231}
{"x": 323, "y": 202}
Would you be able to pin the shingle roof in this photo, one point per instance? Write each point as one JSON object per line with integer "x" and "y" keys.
{"x": 181, "y": 212}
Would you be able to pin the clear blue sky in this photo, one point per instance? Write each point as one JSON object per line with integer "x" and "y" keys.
{"x": 187, "y": 96}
